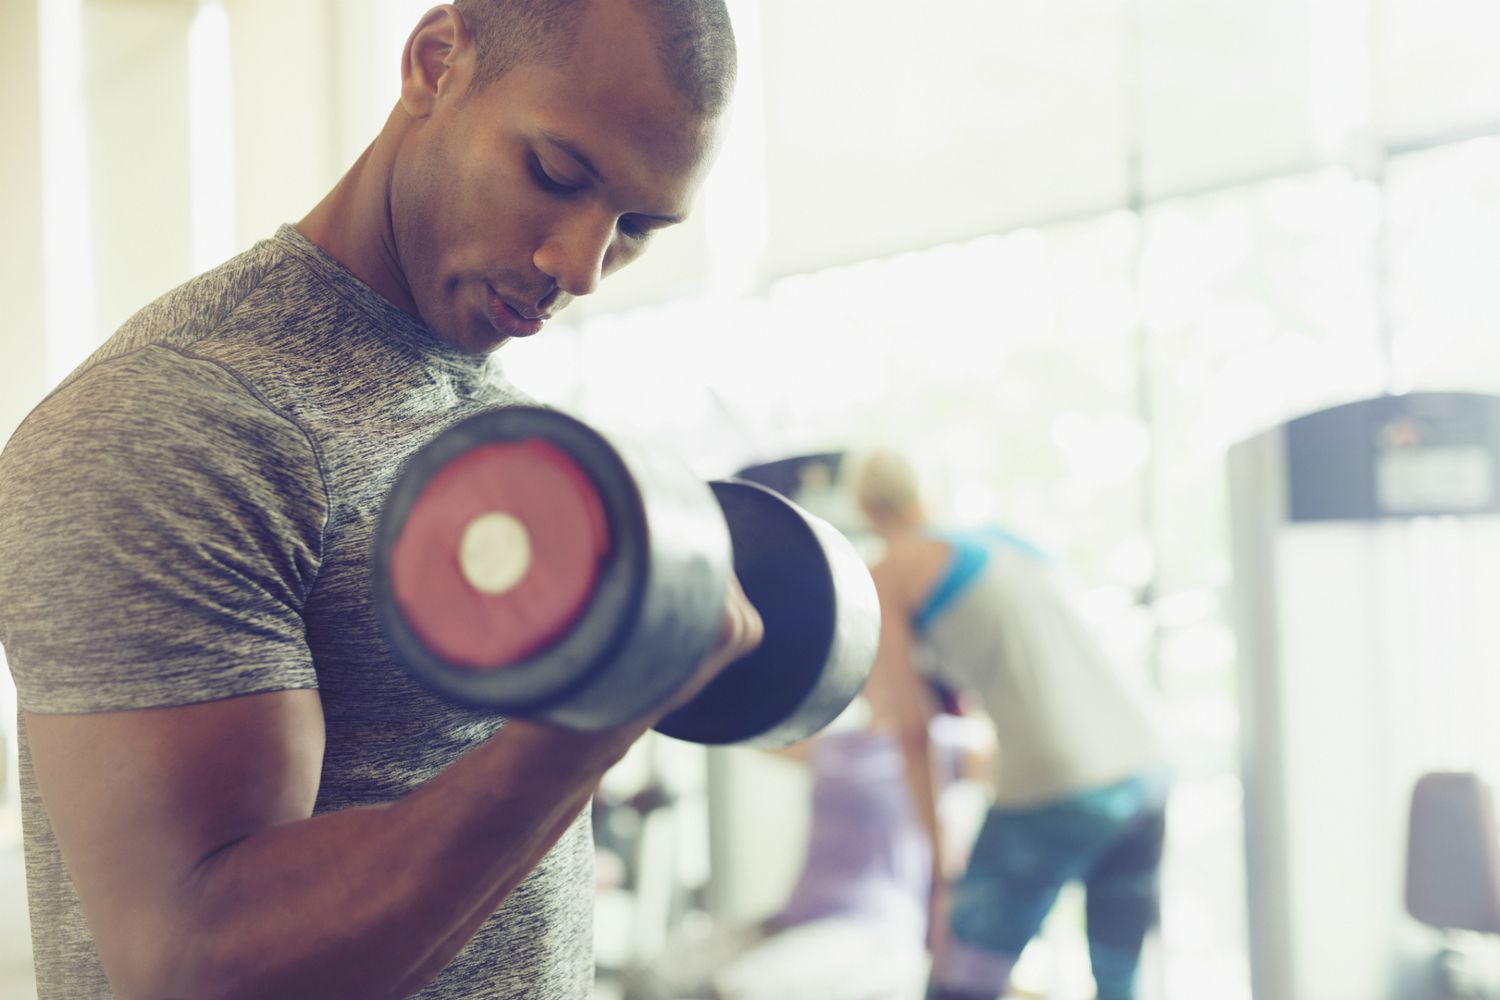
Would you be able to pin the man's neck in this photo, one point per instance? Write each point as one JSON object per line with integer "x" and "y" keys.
{"x": 352, "y": 224}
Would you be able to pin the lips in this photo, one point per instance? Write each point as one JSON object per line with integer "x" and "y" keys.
{"x": 507, "y": 320}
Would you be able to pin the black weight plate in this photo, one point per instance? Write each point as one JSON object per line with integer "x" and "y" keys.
{"x": 821, "y": 627}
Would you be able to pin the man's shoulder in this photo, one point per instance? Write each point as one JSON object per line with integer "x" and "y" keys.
{"x": 178, "y": 352}
{"x": 250, "y": 282}
{"x": 152, "y": 390}
{"x": 149, "y": 421}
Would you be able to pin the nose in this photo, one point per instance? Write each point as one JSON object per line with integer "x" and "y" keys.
{"x": 574, "y": 257}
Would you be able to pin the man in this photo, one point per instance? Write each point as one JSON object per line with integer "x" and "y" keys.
{"x": 230, "y": 790}
{"x": 1080, "y": 769}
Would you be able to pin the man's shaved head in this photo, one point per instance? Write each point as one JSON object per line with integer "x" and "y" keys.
{"x": 695, "y": 40}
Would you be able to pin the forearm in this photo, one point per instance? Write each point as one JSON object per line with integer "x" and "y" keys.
{"x": 373, "y": 902}
{"x": 919, "y": 779}
{"x": 444, "y": 952}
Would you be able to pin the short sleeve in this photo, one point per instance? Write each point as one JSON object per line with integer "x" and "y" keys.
{"x": 160, "y": 529}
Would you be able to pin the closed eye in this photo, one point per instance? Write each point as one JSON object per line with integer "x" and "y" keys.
{"x": 549, "y": 183}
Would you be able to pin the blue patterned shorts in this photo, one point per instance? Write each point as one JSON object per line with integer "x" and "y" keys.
{"x": 1109, "y": 838}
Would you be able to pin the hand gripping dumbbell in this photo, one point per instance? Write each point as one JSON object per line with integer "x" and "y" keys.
{"x": 528, "y": 563}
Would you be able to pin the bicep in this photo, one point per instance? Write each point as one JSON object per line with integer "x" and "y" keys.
{"x": 138, "y": 799}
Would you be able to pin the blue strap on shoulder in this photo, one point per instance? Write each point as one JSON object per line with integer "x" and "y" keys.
{"x": 971, "y": 553}
{"x": 964, "y": 566}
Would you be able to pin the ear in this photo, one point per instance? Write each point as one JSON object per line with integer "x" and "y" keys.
{"x": 438, "y": 60}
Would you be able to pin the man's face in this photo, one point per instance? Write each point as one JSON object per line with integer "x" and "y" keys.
{"x": 509, "y": 201}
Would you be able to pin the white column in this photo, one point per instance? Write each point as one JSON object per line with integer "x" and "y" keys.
{"x": 22, "y": 346}
{"x": 370, "y": 35}
{"x": 283, "y": 61}
{"x": 136, "y": 97}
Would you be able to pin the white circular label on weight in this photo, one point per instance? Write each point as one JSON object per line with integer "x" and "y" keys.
{"x": 495, "y": 553}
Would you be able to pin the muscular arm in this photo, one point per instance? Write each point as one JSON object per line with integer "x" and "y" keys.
{"x": 187, "y": 832}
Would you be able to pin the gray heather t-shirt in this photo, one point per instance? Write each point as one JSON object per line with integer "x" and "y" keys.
{"x": 188, "y": 517}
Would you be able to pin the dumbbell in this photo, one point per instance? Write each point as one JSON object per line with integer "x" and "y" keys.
{"x": 530, "y": 564}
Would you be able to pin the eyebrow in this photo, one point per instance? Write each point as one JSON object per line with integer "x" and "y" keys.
{"x": 581, "y": 157}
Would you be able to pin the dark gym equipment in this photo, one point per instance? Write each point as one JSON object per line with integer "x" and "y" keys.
{"x": 788, "y": 476}
{"x": 527, "y": 563}
{"x": 1453, "y": 876}
{"x": 1364, "y": 580}
{"x": 1453, "y": 854}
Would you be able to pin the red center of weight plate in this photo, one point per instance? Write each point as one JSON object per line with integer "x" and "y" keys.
{"x": 499, "y": 554}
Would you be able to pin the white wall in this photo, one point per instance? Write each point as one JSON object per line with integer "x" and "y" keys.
{"x": 285, "y": 60}
{"x": 876, "y": 127}
{"x": 23, "y": 365}
{"x": 136, "y": 113}
{"x": 22, "y": 350}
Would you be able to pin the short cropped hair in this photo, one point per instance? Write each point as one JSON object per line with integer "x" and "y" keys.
{"x": 695, "y": 41}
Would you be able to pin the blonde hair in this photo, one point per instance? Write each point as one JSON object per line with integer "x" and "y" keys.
{"x": 885, "y": 486}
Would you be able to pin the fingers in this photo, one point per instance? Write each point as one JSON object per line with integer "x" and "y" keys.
{"x": 739, "y": 636}
{"x": 743, "y": 629}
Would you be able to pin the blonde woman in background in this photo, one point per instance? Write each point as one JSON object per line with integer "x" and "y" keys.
{"x": 1080, "y": 777}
